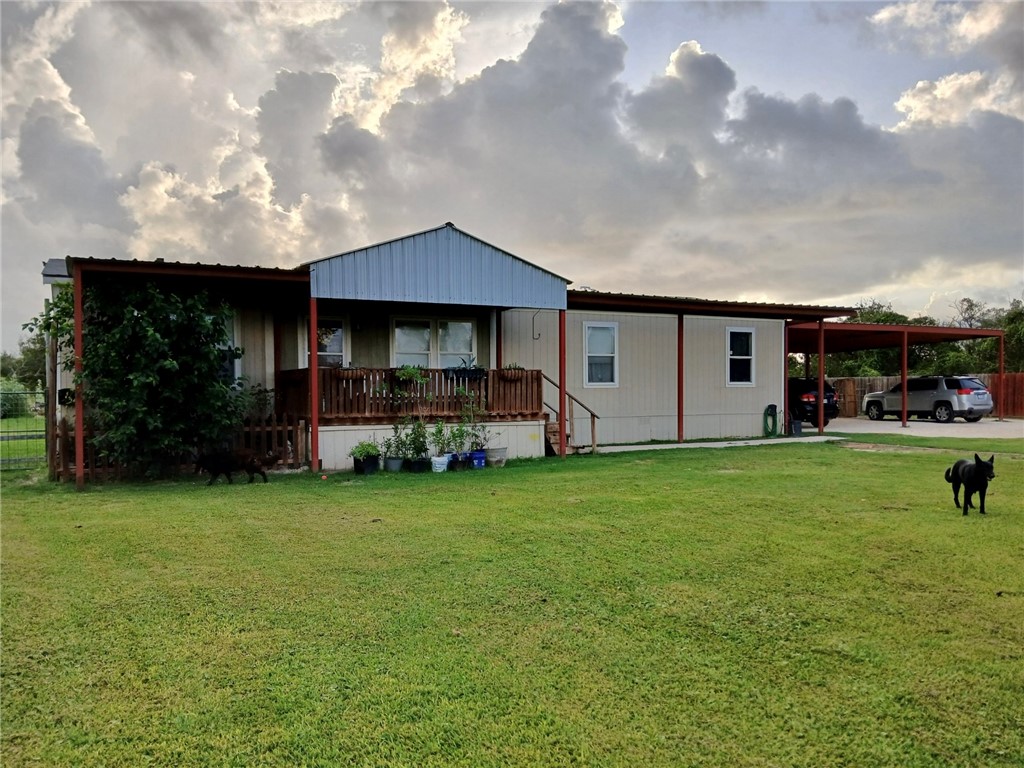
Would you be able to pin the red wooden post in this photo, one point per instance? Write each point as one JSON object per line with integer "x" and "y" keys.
{"x": 561, "y": 385}
{"x": 76, "y": 277}
{"x": 821, "y": 377}
{"x": 903, "y": 373}
{"x": 314, "y": 390}
{"x": 1001, "y": 405}
{"x": 680, "y": 379}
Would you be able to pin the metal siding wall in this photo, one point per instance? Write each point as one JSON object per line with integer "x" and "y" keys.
{"x": 642, "y": 407}
{"x": 437, "y": 267}
{"x": 711, "y": 408}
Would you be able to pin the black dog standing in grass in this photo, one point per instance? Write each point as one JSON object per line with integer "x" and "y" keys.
{"x": 974, "y": 477}
{"x": 224, "y": 463}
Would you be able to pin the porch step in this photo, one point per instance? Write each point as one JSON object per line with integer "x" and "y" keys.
{"x": 551, "y": 434}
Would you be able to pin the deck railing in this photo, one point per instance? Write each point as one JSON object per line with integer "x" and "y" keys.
{"x": 379, "y": 395}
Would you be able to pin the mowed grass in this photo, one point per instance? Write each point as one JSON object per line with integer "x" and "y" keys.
{"x": 789, "y": 605}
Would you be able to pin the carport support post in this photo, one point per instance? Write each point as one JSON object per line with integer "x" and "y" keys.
{"x": 1002, "y": 377}
{"x": 903, "y": 373}
{"x": 821, "y": 376}
{"x": 76, "y": 282}
{"x": 680, "y": 379}
{"x": 314, "y": 390}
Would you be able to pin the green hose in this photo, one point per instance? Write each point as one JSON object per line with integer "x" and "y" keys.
{"x": 771, "y": 421}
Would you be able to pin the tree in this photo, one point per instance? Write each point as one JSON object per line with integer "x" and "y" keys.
{"x": 28, "y": 367}
{"x": 153, "y": 371}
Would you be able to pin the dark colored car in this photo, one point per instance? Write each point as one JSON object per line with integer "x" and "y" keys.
{"x": 803, "y": 401}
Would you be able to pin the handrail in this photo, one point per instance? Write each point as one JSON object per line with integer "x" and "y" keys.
{"x": 573, "y": 399}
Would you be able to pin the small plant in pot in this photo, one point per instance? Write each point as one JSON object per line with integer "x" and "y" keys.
{"x": 512, "y": 372}
{"x": 391, "y": 455}
{"x": 479, "y": 435}
{"x": 365, "y": 457}
{"x": 416, "y": 447}
{"x": 458, "y": 438}
{"x": 440, "y": 439}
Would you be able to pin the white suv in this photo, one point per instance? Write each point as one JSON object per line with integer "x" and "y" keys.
{"x": 942, "y": 398}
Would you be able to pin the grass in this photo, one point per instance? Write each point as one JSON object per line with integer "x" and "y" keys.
{"x": 16, "y": 451}
{"x": 796, "y": 605}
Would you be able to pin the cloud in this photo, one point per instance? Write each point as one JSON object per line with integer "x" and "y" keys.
{"x": 276, "y": 133}
{"x": 991, "y": 30}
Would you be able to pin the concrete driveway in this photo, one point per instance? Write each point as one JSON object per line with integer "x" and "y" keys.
{"x": 924, "y": 427}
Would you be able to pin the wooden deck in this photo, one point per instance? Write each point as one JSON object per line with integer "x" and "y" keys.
{"x": 379, "y": 396}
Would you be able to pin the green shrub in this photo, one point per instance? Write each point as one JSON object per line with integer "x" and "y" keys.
{"x": 14, "y": 400}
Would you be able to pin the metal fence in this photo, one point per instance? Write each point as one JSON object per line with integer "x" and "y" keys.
{"x": 22, "y": 429}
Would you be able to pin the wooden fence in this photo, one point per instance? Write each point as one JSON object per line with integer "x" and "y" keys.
{"x": 380, "y": 396}
{"x": 283, "y": 434}
{"x": 851, "y": 392}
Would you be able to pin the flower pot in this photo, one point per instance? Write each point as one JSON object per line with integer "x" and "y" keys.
{"x": 439, "y": 463}
{"x": 393, "y": 463}
{"x": 367, "y": 466}
{"x": 419, "y": 465}
{"x": 496, "y": 456}
{"x": 479, "y": 459}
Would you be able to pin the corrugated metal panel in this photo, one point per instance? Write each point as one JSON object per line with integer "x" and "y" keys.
{"x": 440, "y": 266}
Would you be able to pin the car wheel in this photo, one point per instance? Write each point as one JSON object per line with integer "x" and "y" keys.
{"x": 943, "y": 413}
{"x": 874, "y": 412}
{"x": 972, "y": 419}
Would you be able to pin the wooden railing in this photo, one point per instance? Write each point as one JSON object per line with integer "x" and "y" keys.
{"x": 570, "y": 417}
{"x": 380, "y": 396}
{"x": 281, "y": 434}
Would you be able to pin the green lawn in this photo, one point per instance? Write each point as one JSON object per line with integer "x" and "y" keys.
{"x": 787, "y": 605}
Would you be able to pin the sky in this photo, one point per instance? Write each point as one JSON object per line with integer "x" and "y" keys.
{"x": 811, "y": 153}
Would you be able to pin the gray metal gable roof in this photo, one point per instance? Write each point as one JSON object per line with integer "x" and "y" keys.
{"x": 438, "y": 266}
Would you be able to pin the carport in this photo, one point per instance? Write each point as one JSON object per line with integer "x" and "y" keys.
{"x": 823, "y": 337}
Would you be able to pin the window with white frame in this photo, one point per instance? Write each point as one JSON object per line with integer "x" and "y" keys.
{"x": 330, "y": 343}
{"x": 434, "y": 343}
{"x": 601, "y": 354}
{"x": 739, "y": 363}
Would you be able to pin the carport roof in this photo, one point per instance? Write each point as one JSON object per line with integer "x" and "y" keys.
{"x": 851, "y": 337}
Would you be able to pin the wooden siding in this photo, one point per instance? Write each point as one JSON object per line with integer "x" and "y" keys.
{"x": 713, "y": 410}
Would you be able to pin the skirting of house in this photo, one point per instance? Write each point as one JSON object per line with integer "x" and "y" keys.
{"x": 524, "y": 440}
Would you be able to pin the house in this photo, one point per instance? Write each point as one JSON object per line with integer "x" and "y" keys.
{"x": 598, "y": 368}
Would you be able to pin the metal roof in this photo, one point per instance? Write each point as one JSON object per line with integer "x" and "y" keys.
{"x": 851, "y": 337}
{"x": 437, "y": 266}
{"x": 626, "y": 302}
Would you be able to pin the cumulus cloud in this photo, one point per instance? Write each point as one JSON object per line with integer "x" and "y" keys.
{"x": 991, "y": 30}
{"x": 276, "y": 133}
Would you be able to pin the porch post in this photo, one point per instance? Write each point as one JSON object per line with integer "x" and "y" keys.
{"x": 76, "y": 278}
{"x": 498, "y": 354}
{"x": 562, "y": 423}
{"x": 784, "y": 406}
{"x": 680, "y": 379}
{"x": 903, "y": 373}
{"x": 314, "y": 390}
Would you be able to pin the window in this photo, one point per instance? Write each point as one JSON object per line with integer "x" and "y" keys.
{"x": 602, "y": 354}
{"x": 230, "y": 365}
{"x": 455, "y": 342}
{"x": 433, "y": 343}
{"x": 739, "y": 371}
{"x": 330, "y": 344}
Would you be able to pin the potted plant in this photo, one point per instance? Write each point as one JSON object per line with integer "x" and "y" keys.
{"x": 391, "y": 450}
{"x": 512, "y": 372}
{"x": 439, "y": 441}
{"x": 479, "y": 435}
{"x": 365, "y": 457}
{"x": 495, "y": 457}
{"x": 467, "y": 370}
{"x": 416, "y": 447}
{"x": 458, "y": 437}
